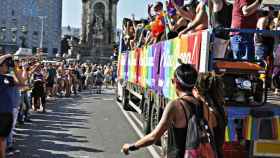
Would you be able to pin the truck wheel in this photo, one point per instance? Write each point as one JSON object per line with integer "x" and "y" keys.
{"x": 155, "y": 117}
{"x": 146, "y": 117}
{"x": 117, "y": 95}
{"x": 125, "y": 100}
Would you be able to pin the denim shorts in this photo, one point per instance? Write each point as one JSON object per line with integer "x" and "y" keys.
{"x": 242, "y": 46}
{"x": 261, "y": 52}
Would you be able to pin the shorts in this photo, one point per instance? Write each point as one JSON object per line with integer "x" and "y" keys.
{"x": 242, "y": 46}
{"x": 6, "y": 123}
{"x": 261, "y": 52}
{"x": 38, "y": 89}
{"x": 50, "y": 83}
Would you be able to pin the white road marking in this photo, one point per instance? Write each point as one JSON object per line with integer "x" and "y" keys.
{"x": 151, "y": 149}
{"x": 136, "y": 119}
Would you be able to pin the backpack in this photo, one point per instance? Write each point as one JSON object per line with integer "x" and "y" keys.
{"x": 200, "y": 142}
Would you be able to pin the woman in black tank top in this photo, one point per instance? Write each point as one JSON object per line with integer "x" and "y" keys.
{"x": 175, "y": 115}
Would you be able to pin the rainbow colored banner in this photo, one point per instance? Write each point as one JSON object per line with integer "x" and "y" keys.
{"x": 168, "y": 64}
{"x": 142, "y": 65}
{"x": 250, "y": 128}
{"x": 122, "y": 65}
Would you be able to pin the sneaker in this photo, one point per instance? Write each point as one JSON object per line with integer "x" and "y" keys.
{"x": 10, "y": 151}
{"x": 20, "y": 122}
{"x": 28, "y": 120}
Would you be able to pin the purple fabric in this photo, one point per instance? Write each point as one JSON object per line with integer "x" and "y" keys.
{"x": 157, "y": 50}
{"x": 179, "y": 2}
{"x": 126, "y": 65}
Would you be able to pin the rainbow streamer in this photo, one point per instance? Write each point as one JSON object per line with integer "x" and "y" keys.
{"x": 227, "y": 134}
{"x": 255, "y": 128}
{"x": 278, "y": 127}
{"x": 276, "y": 124}
{"x": 231, "y": 126}
{"x": 249, "y": 123}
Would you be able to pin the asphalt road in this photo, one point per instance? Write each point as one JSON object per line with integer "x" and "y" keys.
{"x": 88, "y": 126}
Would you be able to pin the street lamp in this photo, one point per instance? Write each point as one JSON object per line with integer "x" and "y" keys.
{"x": 42, "y": 18}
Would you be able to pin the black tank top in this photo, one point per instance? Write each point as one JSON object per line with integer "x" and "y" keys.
{"x": 222, "y": 19}
{"x": 179, "y": 135}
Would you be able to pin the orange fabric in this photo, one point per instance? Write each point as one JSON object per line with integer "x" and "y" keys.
{"x": 237, "y": 65}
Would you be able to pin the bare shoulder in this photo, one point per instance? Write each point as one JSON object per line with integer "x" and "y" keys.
{"x": 171, "y": 105}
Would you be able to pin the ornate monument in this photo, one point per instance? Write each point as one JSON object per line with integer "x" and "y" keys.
{"x": 98, "y": 29}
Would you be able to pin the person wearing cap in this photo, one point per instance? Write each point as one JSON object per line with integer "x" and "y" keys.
{"x": 7, "y": 85}
{"x": 175, "y": 114}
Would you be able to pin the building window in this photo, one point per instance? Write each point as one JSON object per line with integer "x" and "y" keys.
{"x": 35, "y": 33}
{"x": 55, "y": 51}
{"x": 13, "y": 13}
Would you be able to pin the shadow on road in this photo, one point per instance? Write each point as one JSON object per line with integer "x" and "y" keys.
{"x": 49, "y": 135}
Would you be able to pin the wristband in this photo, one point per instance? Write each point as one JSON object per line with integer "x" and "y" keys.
{"x": 132, "y": 147}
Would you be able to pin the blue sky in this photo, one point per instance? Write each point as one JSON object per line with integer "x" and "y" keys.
{"x": 72, "y": 10}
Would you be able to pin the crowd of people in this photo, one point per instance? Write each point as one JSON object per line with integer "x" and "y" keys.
{"x": 178, "y": 17}
{"x": 27, "y": 84}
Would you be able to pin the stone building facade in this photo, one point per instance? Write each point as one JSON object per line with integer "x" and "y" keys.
{"x": 98, "y": 29}
{"x": 21, "y": 19}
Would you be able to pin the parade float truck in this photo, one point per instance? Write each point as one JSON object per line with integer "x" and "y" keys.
{"x": 144, "y": 86}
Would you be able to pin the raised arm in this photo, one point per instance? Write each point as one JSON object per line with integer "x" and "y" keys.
{"x": 185, "y": 14}
{"x": 197, "y": 20}
{"x": 248, "y": 10}
{"x": 164, "y": 124}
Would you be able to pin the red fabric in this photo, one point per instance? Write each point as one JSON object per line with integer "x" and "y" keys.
{"x": 241, "y": 21}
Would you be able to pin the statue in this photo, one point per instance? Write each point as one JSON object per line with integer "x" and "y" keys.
{"x": 98, "y": 26}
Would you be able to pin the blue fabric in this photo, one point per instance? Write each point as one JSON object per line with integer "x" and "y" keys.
{"x": 242, "y": 46}
{"x": 261, "y": 52}
{"x": 15, "y": 94}
{"x": 6, "y": 94}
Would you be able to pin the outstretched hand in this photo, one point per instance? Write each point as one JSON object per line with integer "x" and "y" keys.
{"x": 125, "y": 149}
{"x": 150, "y": 6}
